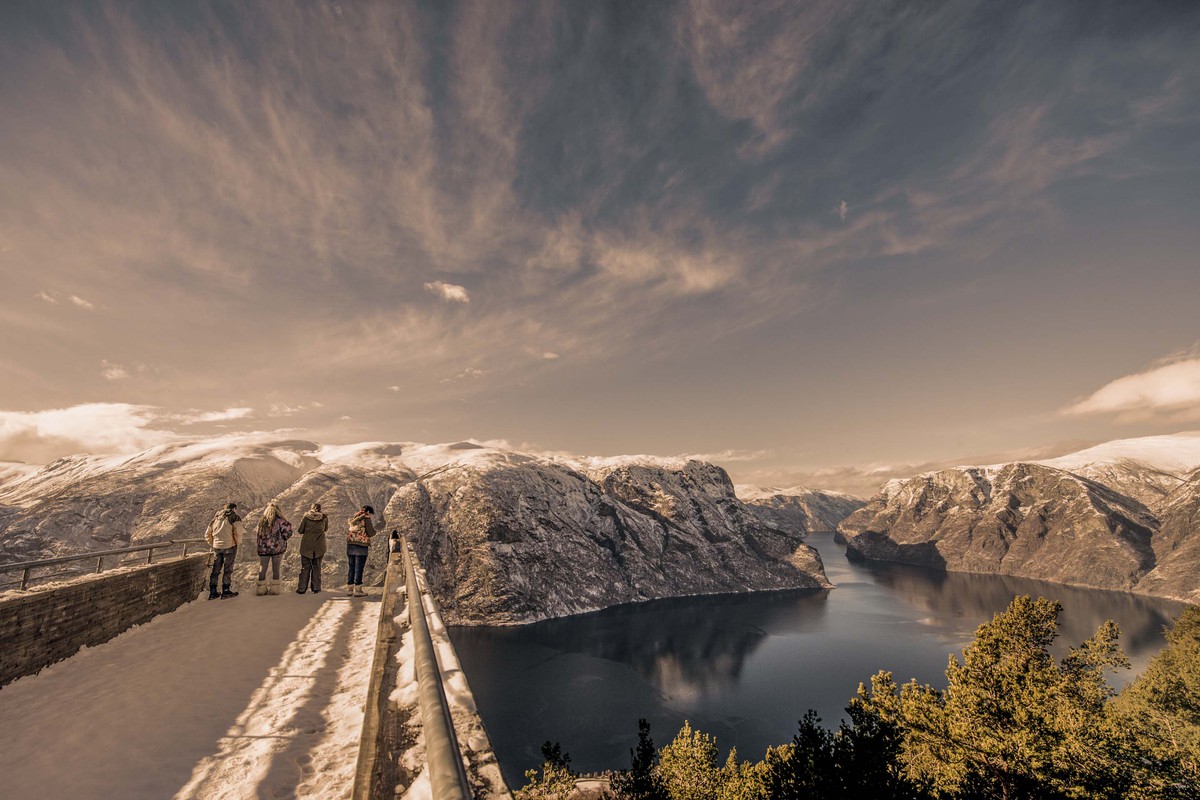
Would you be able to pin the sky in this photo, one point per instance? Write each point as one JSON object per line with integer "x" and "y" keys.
{"x": 814, "y": 242}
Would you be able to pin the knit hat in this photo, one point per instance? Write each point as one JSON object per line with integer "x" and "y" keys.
{"x": 315, "y": 507}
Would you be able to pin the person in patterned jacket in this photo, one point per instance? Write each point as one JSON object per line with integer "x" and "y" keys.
{"x": 358, "y": 541}
{"x": 273, "y": 534}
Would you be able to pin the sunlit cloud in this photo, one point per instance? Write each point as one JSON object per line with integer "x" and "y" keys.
{"x": 46, "y": 298}
{"x": 1170, "y": 388}
{"x": 449, "y": 292}
{"x": 79, "y": 301}
{"x": 90, "y": 427}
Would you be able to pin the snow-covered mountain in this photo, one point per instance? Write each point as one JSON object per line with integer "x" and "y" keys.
{"x": 798, "y": 509}
{"x": 507, "y": 537}
{"x": 1147, "y": 468}
{"x": 1121, "y": 515}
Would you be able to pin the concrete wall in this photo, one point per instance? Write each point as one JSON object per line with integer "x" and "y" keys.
{"x": 48, "y": 624}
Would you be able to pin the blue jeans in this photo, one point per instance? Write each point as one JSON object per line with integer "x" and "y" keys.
{"x": 357, "y": 554}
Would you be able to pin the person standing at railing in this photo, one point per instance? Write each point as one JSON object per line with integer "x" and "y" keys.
{"x": 272, "y": 535}
{"x": 223, "y": 535}
{"x": 312, "y": 548}
{"x": 358, "y": 545}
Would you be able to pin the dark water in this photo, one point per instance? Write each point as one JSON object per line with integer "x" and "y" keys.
{"x": 744, "y": 668}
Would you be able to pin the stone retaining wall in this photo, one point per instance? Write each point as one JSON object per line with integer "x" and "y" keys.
{"x": 47, "y": 624}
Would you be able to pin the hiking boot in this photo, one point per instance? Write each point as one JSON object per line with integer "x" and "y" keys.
{"x": 358, "y": 590}
{"x": 227, "y": 594}
{"x": 213, "y": 594}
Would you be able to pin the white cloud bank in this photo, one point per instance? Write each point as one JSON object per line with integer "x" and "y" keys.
{"x": 1171, "y": 388}
{"x": 99, "y": 428}
{"x": 449, "y": 292}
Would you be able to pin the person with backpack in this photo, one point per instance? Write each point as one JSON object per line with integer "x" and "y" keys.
{"x": 272, "y": 535}
{"x": 223, "y": 535}
{"x": 312, "y": 548}
{"x": 358, "y": 541}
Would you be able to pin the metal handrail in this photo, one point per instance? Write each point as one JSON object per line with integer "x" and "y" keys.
{"x": 447, "y": 777}
{"x": 26, "y": 566}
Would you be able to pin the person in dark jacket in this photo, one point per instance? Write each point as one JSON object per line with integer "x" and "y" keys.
{"x": 358, "y": 541}
{"x": 312, "y": 548}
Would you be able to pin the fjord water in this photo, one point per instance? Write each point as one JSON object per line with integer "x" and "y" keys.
{"x": 744, "y": 668}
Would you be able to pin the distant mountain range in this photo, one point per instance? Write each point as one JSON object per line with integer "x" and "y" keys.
{"x": 511, "y": 537}
{"x": 506, "y": 537}
{"x": 800, "y": 509}
{"x": 1123, "y": 515}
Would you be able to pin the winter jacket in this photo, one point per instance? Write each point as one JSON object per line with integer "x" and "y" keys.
{"x": 312, "y": 534}
{"x": 361, "y": 530}
{"x": 221, "y": 536}
{"x": 273, "y": 540}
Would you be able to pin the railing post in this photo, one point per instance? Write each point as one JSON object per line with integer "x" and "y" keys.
{"x": 185, "y": 546}
{"x": 99, "y": 563}
{"x": 150, "y": 555}
{"x": 25, "y": 578}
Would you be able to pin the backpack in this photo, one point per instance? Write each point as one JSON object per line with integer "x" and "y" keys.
{"x": 223, "y": 532}
{"x": 358, "y": 530}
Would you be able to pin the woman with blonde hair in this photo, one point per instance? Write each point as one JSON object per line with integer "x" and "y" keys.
{"x": 273, "y": 534}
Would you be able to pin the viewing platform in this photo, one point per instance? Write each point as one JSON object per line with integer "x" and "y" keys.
{"x": 315, "y": 695}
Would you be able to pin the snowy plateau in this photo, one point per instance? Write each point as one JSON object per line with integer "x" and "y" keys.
{"x": 1123, "y": 515}
{"x": 506, "y": 537}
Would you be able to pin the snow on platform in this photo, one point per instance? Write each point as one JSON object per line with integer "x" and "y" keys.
{"x": 252, "y": 697}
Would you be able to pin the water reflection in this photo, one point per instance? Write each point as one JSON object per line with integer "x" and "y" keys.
{"x": 687, "y": 648}
{"x": 746, "y": 667}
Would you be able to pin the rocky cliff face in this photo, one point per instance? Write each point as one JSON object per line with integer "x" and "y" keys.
{"x": 1020, "y": 519}
{"x": 517, "y": 539}
{"x": 1176, "y": 572}
{"x": 506, "y": 537}
{"x": 800, "y": 510}
{"x": 1121, "y": 515}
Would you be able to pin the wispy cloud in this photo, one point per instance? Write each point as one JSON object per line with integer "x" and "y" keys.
{"x": 46, "y": 298}
{"x": 449, "y": 292}
{"x": 79, "y": 301}
{"x": 113, "y": 372}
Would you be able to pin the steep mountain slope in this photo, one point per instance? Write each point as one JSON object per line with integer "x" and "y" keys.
{"x": 1019, "y": 519}
{"x": 506, "y": 537}
{"x": 522, "y": 540}
{"x": 800, "y": 510}
{"x": 1120, "y": 515}
{"x": 1177, "y": 546}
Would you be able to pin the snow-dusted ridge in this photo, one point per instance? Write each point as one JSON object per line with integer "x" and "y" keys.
{"x": 1120, "y": 515}
{"x": 508, "y": 537}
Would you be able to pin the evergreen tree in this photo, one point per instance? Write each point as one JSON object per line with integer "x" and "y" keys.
{"x": 741, "y": 780}
{"x": 556, "y": 781}
{"x": 806, "y": 767}
{"x": 641, "y": 781}
{"x": 688, "y": 766}
{"x": 1161, "y": 711}
{"x": 1012, "y": 723}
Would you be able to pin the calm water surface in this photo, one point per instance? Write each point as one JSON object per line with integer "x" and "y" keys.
{"x": 744, "y": 668}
